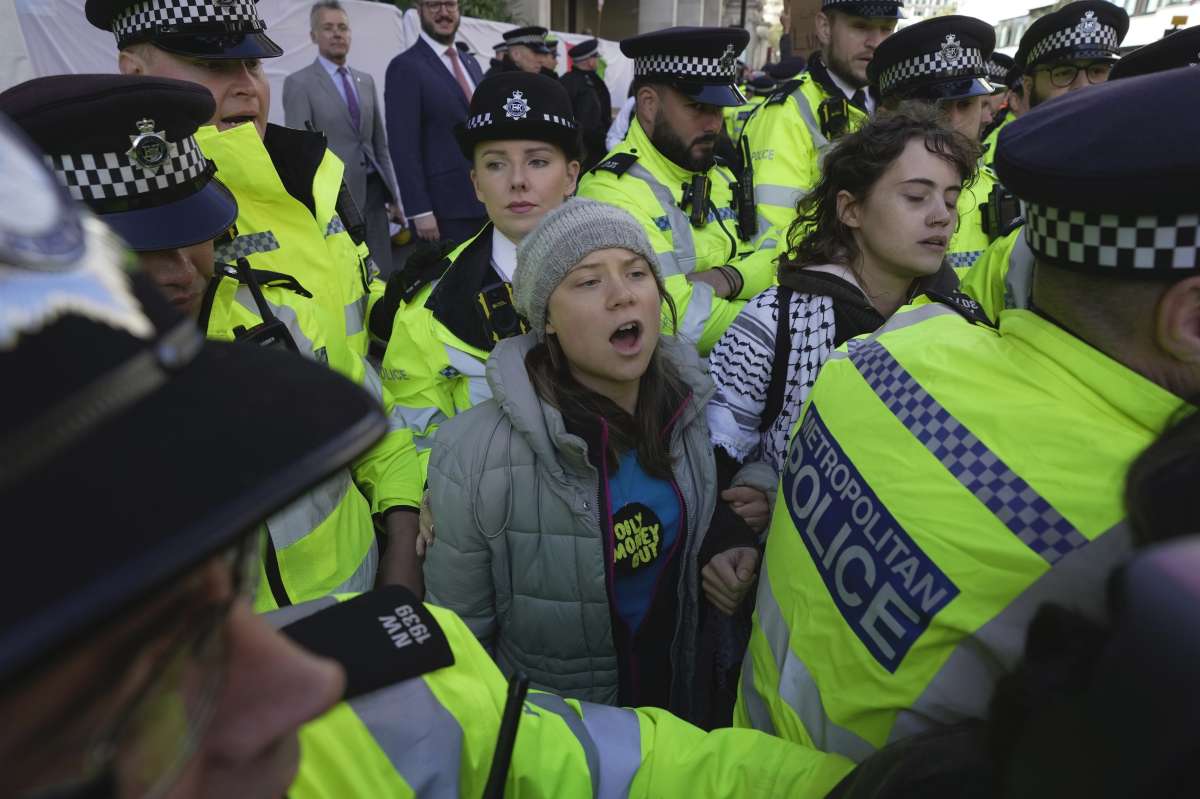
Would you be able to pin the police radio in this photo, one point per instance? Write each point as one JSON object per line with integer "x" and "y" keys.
{"x": 1001, "y": 213}
{"x": 743, "y": 195}
{"x": 834, "y": 116}
{"x": 499, "y": 315}
{"x": 695, "y": 195}
{"x": 270, "y": 332}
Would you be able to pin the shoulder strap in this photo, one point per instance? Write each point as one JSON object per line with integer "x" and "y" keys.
{"x": 963, "y": 305}
{"x": 777, "y": 388}
{"x": 617, "y": 163}
{"x": 783, "y": 92}
{"x": 381, "y": 637}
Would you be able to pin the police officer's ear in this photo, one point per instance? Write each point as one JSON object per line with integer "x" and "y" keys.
{"x": 572, "y": 181}
{"x": 1027, "y": 90}
{"x": 824, "y": 28}
{"x": 136, "y": 59}
{"x": 1177, "y": 325}
{"x": 849, "y": 210}
{"x": 649, "y": 101}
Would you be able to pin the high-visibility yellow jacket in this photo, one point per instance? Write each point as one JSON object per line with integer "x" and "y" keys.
{"x": 736, "y": 116}
{"x": 969, "y": 240}
{"x": 786, "y": 145}
{"x": 989, "y": 142}
{"x": 430, "y": 727}
{"x": 1002, "y": 277}
{"x": 299, "y": 208}
{"x": 944, "y": 481}
{"x": 641, "y": 180}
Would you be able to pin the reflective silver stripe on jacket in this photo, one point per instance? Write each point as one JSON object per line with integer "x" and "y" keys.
{"x": 284, "y": 313}
{"x": 1018, "y": 506}
{"x": 421, "y": 739}
{"x": 796, "y": 686}
{"x": 356, "y": 313}
{"x": 611, "y": 738}
{"x": 1018, "y": 280}
{"x": 699, "y": 309}
{"x": 756, "y": 708}
{"x": 371, "y": 382}
{"x": 810, "y": 121}
{"x": 962, "y": 687}
{"x": 772, "y": 194}
{"x": 683, "y": 260}
{"x": 423, "y": 422}
{"x": 363, "y": 578}
{"x": 474, "y": 370}
{"x": 308, "y": 511}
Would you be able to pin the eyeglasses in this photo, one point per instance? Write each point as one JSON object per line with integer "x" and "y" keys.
{"x": 1063, "y": 75}
{"x": 149, "y": 740}
{"x": 441, "y": 5}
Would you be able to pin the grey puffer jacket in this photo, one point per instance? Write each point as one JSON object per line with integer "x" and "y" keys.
{"x": 520, "y": 554}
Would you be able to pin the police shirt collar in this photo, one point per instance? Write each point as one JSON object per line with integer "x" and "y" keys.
{"x": 504, "y": 255}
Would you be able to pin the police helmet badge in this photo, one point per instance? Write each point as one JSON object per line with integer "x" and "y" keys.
{"x": 1088, "y": 25}
{"x": 149, "y": 148}
{"x": 516, "y": 107}
{"x": 728, "y": 59}
{"x": 951, "y": 50}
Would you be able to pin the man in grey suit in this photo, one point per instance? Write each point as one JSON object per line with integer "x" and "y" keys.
{"x": 341, "y": 103}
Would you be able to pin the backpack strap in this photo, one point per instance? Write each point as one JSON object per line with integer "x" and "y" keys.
{"x": 777, "y": 388}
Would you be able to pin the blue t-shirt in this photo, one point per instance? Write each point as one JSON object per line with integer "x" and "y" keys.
{"x": 645, "y": 527}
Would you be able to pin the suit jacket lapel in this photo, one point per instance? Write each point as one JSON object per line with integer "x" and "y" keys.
{"x": 439, "y": 68}
{"x": 325, "y": 80}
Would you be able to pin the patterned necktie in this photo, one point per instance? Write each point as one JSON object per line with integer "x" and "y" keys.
{"x": 859, "y": 100}
{"x": 351, "y": 99}
{"x": 452, "y": 53}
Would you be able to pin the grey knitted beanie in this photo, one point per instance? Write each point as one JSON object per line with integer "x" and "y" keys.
{"x": 562, "y": 239}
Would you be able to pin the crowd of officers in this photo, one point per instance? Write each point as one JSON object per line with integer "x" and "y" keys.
{"x": 945, "y": 477}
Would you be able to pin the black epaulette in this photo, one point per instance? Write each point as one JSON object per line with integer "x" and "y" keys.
{"x": 426, "y": 264}
{"x": 783, "y": 92}
{"x": 617, "y": 163}
{"x": 380, "y": 638}
{"x": 964, "y": 306}
{"x": 279, "y": 280}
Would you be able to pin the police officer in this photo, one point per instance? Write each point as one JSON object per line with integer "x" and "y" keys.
{"x": 948, "y": 477}
{"x": 1070, "y": 49}
{"x": 943, "y": 60}
{"x": 139, "y": 669}
{"x": 156, "y": 189}
{"x": 590, "y": 100}
{"x": 1065, "y": 51}
{"x": 699, "y": 219}
{"x": 526, "y": 48}
{"x": 758, "y": 89}
{"x": 998, "y": 67}
{"x": 1012, "y": 94}
{"x": 791, "y": 131}
{"x": 295, "y": 214}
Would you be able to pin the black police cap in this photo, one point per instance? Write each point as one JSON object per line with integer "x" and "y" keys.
{"x": 519, "y": 105}
{"x": 1178, "y": 49}
{"x": 942, "y": 58}
{"x": 1000, "y": 70}
{"x": 700, "y": 62}
{"x": 1093, "y": 202}
{"x": 1084, "y": 30}
{"x": 124, "y": 144}
{"x": 531, "y": 36}
{"x": 786, "y": 68}
{"x": 761, "y": 85}
{"x": 585, "y": 49}
{"x": 208, "y": 29}
{"x": 872, "y": 9}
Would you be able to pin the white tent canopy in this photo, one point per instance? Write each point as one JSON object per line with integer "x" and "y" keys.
{"x": 52, "y": 37}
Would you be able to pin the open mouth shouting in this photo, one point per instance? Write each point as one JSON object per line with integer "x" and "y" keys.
{"x": 228, "y": 122}
{"x": 627, "y": 339}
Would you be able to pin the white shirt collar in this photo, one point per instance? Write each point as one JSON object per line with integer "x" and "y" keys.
{"x": 504, "y": 255}
{"x": 437, "y": 46}
{"x": 330, "y": 67}
{"x": 849, "y": 90}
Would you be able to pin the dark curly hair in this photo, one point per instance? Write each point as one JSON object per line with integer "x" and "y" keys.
{"x": 855, "y": 164}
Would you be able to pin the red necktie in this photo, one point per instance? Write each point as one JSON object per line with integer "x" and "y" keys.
{"x": 452, "y": 51}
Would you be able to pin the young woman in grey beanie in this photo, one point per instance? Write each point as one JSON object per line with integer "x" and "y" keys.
{"x": 575, "y": 509}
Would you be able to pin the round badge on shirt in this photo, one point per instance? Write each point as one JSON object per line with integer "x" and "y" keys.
{"x": 638, "y": 533}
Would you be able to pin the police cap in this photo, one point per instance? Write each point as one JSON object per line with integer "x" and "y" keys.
{"x": 519, "y": 105}
{"x": 786, "y": 68}
{"x": 943, "y": 58}
{"x": 700, "y": 62}
{"x": 585, "y": 49}
{"x": 1000, "y": 71}
{"x": 872, "y": 9}
{"x": 531, "y": 36}
{"x": 117, "y": 403}
{"x": 124, "y": 144}
{"x": 1178, "y": 49}
{"x": 1089, "y": 30}
{"x": 1136, "y": 215}
{"x": 211, "y": 29}
{"x": 500, "y": 47}
{"x": 761, "y": 85}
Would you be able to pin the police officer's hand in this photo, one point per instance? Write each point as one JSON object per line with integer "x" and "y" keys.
{"x": 427, "y": 227}
{"x": 751, "y": 504}
{"x": 728, "y": 577}
{"x": 725, "y": 280}
{"x": 425, "y": 527}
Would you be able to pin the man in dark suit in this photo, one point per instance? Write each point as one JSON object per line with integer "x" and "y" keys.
{"x": 341, "y": 103}
{"x": 427, "y": 92}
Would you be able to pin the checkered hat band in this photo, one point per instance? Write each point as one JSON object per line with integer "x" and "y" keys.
{"x": 996, "y": 73}
{"x": 531, "y": 39}
{"x": 1121, "y": 242}
{"x": 865, "y": 9}
{"x": 112, "y": 182}
{"x": 176, "y": 16}
{"x": 932, "y": 65}
{"x": 486, "y": 120}
{"x": 685, "y": 66}
{"x": 1103, "y": 39}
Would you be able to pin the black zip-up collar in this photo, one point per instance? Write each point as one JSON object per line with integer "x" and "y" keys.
{"x": 296, "y": 156}
{"x": 453, "y": 299}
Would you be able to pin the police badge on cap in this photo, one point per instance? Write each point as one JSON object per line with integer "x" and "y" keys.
{"x": 1088, "y": 30}
{"x": 943, "y": 58}
{"x": 700, "y": 62}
